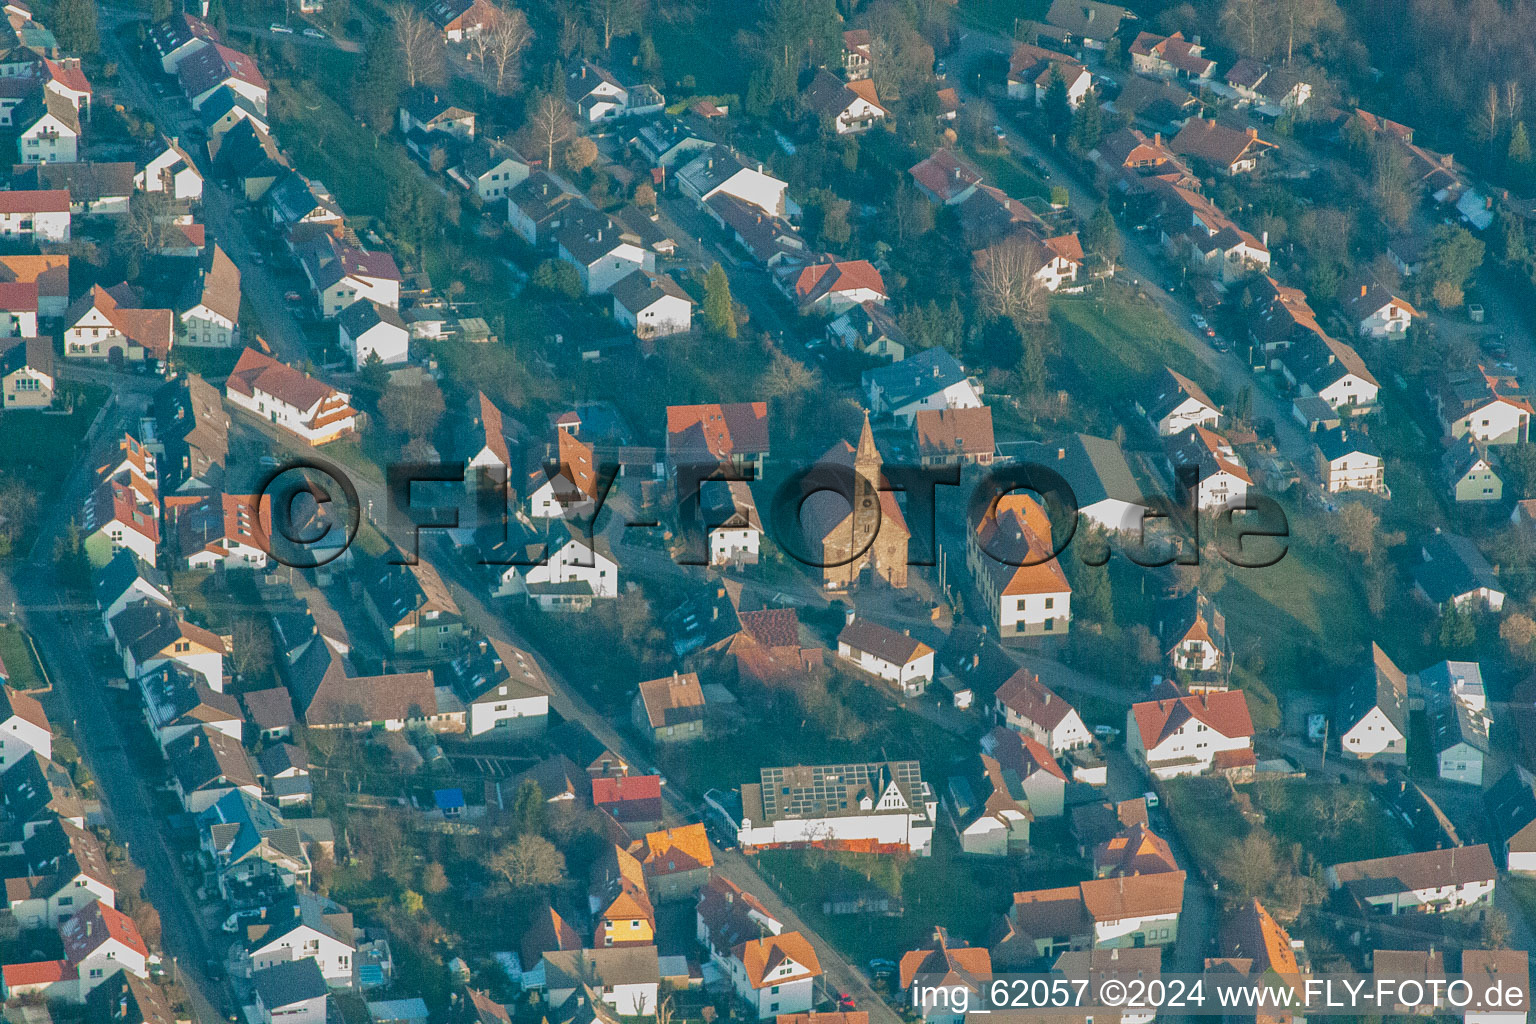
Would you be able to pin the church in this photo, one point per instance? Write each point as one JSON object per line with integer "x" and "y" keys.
{"x": 871, "y": 535}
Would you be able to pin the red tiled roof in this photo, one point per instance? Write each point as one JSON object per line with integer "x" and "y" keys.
{"x": 625, "y": 788}
{"x": 43, "y": 972}
{"x": 44, "y": 200}
{"x": 1226, "y": 712}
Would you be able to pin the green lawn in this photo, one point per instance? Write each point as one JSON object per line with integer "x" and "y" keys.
{"x": 706, "y": 56}
{"x": 1524, "y": 890}
{"x": 1005, "y": 171}
{"x": 1292, "y": 815}
{"x": 1201, "y": 810}
{"x": 1116, "y": 343}
{"x": 16, "y": 653}
{"x": 1000, "y": 16}
{"x": 33, "y": 441}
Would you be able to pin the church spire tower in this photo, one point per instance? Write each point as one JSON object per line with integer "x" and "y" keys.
{"x": 866, "y": 458}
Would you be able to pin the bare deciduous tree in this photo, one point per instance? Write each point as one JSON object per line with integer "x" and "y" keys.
{"x": 1006, "y": 276}
{"x": 550, "y": 124}
{"x": 509, "y": 35}
{"x": 421, "y": 45}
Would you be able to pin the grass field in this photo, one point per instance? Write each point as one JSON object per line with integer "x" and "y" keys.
{"x": 16, "y": 654}
{"x": 1116, "y": 343}
{"x": 1001, "y": 16}
{"x": 1005, "y": 171}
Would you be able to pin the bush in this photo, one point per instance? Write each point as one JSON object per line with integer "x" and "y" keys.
{"x": 557, "y": 278}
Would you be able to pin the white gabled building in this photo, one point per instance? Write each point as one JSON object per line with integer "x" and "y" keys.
{"x": 591, "y": 242}
{"x": 717, "y": 172}
{"x": 310, "y": 927}
{"x": 1201, "y": 456}
{"x": 1432, "y": 882}
{"x": 41, "y": 215}
{"x": 23, "y": 726}
{"x": 561, "y": 570}
{"x": 290, "y": 399}
{"x": 367, "y": 328}
{"x": 100, "y": 941}
{"x": 1027, "y": 706}
{"x": 892, "y": 656}
{"x": 1372, "y": 718}
{"x": 652, "y": 305}
{"x": 1173, "y": 736}
{"x": 775, "y": 974}
{"x": 171, "y": 171}
{"x": 885, "y": 805}
{"x": 1178, "y": 404}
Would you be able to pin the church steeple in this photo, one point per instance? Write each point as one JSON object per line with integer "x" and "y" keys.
{"x": 866, "y": 459}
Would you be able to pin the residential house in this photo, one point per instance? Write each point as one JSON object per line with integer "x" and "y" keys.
{"x": 125, "y": 999}
{"x": 105, "y": 324}
{"x": 61, "y": 870}
{"x": 1348, "y": 460}
{"x": 40, "y": 215}
{"x": 1377, "y": 310}
{"x": 212, "y": 301}
{"x": 1253, "y": 944}
{"x": 632, "y": 801}
{"x": 113, "y": 520}
{"x": 1434, "y": 881}
{"x": 413, "y": 608}
{"x": 192, "y": 429}
{"x": 35, "y": 792}
{"x": 1170, "y": 737}
{"x": 670, "y": 709}
{"x": 668, "y": 141}
{"x": 270, "y": 711}
{"x": 95, "y": 188}
{"x": 1126, "y": 158}
{"x": 1041, "y": 778}
{"x": 728, "y": 916}
{"x": 1487, "y": 971}
{"x": 591, "y": 242}
{"x": 49, "y": 129}
{"x": 178, "y": 700}
{"x": 620, "y": 901}
{"x": 247, "y": 157}
{"x": 18, "y": 310}
{"x": 178, "y": 37}
{"x": 1511, "y": 804}
{"x": 1455, "y": 573}
{"x": 1031, "y": 708}
{"x": 1135, "y": 851}
{"x": 1191, "y": 227}
{"x": 599, "y": 95}
{"x": 1178, "y": 404}
{"x": 1194, "y": 634}
{"x": 771, "y": 240}
{"x": 1485, "y": 405}
{"x": 1205, "y": 462}
{"x": 1333, "y": 371}
{"x": 27, "y": 378}
{"x": 626, "y": 980}
{"x": 1032, "y": 70}
{"x": 932, "y": 379}
{"x": 869, "y": 328}
{"x": 676, "y": 861}
{"x": 945, "y": 965}
{"x": 98, "y": 942}
{"x": 289, "y": 398}
{"x": 1373, "y": 714}
{"x": 858, "y": 54}
{"x": 1100, "y": 913}
{"x": 460, "y": 19}
{"x": 561, "y": 571}
{"x": 872, "y": 807}
{"x": 290, "y": 992}
{"x": 1105, "y": 491}
{"x": 989, "y": 215}
{"x": 341, "y": 274}
{"x": 225, "y": 109}
{"x": 1170, "y": 56}
{"x": 23, "y": 726}
{"x": 1220, "y": 149}
{"x": 1460, "y": 741}
{"x": 149, "y": 635}
{"x": 846, "y": 107}
{"x": 567, "y": 483}
{"x": 232, "y": 531}
{"x": 831, "y": 287}
{"x": 1458, "y": 681}
{"x": 537, "y": 206}
{"x": 735, "y": 532}
{"x": 890, "y": 655}
{"x": 502, "y": 687}
{"x": 1470, "y": 472}
{"x": 954, "y": 436}
{"x": 490, "y": 169}
{"x": 718, "y": 171}
{"x": 731, "y": 433}
{"x": 205, "y": 70}
{"x": 170, "y": 170}
{"x": 1010, "y": 556}
{"x": 944, "y": 178}
{"x": 305, "y": 927}
{"x": 126, "y": 579}
{"x": 863, "y": 527}
{"x": 205, "y": 765}
{"x": 989, "y": 810}
{"x": 292, "y": 199}
{"x": 652, "y": 305}
{"x": 368, "y": 329}
{"x": 1088, "y": 24}
{"x": 283, "y": 771}
{"x": 249, "y": 844}
{"x": 774, "y": 974}
{"x": 423, "y": 110}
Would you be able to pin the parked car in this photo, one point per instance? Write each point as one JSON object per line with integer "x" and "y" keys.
{"x": 314, "y": 33}
{"x": 1220, "y": 344}
{"x": 1151, "y": 799}
{"x": 1475, "y": 313}
{"x": 998, "y": 133}
{"x": 1199, "y": 322}
{"x": 1105, "y": 732}
{"x": 845, "y": 1001}
{"x": 939, "y": 69}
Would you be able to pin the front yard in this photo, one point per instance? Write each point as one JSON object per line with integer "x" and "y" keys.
{"x": 16, "y": 655}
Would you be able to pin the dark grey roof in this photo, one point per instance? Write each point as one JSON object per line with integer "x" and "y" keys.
{"x": 1096, "y": 470}
{"x": 915, "y": 378}
{"x": 1511, "y": 805}
{"x": 205, "y": 758}
{"x": 1383, "y": 686}
{"x": 222, "y": 101}
{"x": 289, "y": 982}
{"x": 120, "y": 573}
{"x": 588, "y": 235}
{"x": 1454, "y": 567}
{"x": 282, "y": 757}
{"x": 365, "y": 314}
{"x": 1340, "y": 441}
{"x": 640, "y": 289}
{"x": 1456, "y": 723}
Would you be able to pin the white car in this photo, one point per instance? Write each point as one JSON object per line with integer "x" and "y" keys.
{"x": 1151, "y": 799}
{"x": 277, "y": 26}
{"x": 314, "y": 33}
{"x": 1105, "y": 732}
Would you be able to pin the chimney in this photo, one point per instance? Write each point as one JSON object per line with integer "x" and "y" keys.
{"x": 197, "y": 740}
{"x": 1157, "y": 138}
{"x": 1362, "y": 291}
{"x": 1264, "y": 237}
{"x": 1253, "y": 133}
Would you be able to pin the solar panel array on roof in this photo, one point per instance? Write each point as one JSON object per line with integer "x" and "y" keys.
{"x": 814, "y": 791}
